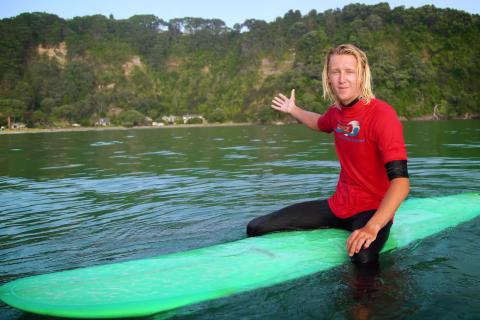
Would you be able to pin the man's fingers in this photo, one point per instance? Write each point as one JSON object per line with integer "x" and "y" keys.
{"x": 277, "y": 103}
{"x": 352, "y": 238}
{"x": 353, "y": 248}
{"x": 277, "y": 108}
{"x": 357, "y": 241}
{"x": 281, "y": 95}
{"x": 292, "y": 95}
{"x": 367, "y": 243}
{"x": 280, "y": 106}
{"x": 351, "y": 243}
{"x": 359, "y": 245}
{"x": 276, "y": 99}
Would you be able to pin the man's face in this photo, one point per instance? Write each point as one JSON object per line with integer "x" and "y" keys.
{"x": 342, "y": 75}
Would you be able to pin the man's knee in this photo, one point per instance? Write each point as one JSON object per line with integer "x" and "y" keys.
{"x": 364, "y": 257}
{"x": 254, "y": 228}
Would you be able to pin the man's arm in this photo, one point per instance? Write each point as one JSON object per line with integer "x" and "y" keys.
{"x": 287, "y": 105}
{"x": 363, "y": 237}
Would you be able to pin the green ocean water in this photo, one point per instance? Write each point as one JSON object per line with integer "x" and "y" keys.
{"x": 79, "y": 199}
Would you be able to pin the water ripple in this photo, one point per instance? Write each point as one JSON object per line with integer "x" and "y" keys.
{"x": 187, "y": 189}
{"x": 105, "y": 143}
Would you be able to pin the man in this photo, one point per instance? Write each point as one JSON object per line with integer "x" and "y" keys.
{"x": 370, "y": 146}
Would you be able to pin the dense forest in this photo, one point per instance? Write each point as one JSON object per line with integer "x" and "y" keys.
{"x": 56, "y": 72}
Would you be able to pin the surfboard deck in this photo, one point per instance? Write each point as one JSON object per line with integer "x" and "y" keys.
{"x": 148, "y": 286}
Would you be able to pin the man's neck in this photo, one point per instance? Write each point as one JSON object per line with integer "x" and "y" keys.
{"x": 350, "y": 104}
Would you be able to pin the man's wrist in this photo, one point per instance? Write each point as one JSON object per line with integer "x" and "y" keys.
{"x": 295, "y": 110}
{"x": 375, "y": 226}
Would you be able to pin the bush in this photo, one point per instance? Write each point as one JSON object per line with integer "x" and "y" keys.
{"x": 130, "y": 118}
{"x": 64, "y": 112}
{"x": 218, "y": 115}
{"x": 12, "y": 108}
{"x": 195, "y": 121}
{"x": 39, "y": 119}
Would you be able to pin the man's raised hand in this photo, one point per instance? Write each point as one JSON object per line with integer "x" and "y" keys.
{"x": 284, "y": 104}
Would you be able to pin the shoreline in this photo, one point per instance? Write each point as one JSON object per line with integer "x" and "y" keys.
{"x": 119, "y": 128}
{"x": 176, "y": 126}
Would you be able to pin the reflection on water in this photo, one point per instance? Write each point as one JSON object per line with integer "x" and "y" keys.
{"x": 71, "y": 200}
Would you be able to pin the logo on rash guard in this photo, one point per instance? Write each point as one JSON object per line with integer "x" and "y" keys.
{"x": 350, "y": 130}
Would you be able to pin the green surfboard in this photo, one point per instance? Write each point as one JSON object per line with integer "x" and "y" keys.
{"x": 148, "y": 286}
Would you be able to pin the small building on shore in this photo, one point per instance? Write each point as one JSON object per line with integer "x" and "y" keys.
{"x": 102, "y": 122}
{"x": 185, "y": 119}
{"x": 170, "y": 119}
{"x": 18, "y": 125}
{"x": 193, "y": 118}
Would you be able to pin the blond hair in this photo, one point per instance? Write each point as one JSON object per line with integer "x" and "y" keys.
{"x": 363, "y": 72}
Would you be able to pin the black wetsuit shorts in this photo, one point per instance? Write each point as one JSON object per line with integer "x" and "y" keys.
{"x": 315, "y": 215}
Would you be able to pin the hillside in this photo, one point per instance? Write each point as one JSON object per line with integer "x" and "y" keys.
{"x": 56, "y": 72}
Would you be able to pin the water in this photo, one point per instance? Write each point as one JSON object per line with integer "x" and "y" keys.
{"x": 80, "y": 199}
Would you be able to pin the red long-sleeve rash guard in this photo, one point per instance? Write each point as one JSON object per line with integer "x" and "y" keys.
{"x": 367, "y": 136}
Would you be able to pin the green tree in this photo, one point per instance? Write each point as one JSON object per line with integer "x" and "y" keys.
{"x": 78, "y": 81}
{"x": 217, "y": 116}
{"x": 13, "y": 109}
{"x": 420, "y": 57}
{"x": 130, "y": 118}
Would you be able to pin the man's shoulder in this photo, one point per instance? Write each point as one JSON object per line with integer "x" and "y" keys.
{"x": 382, "y": 109}
{"x": 326, "y": 120}
{"x": 379, "y": 103}
{"x": 333, "y": 108}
